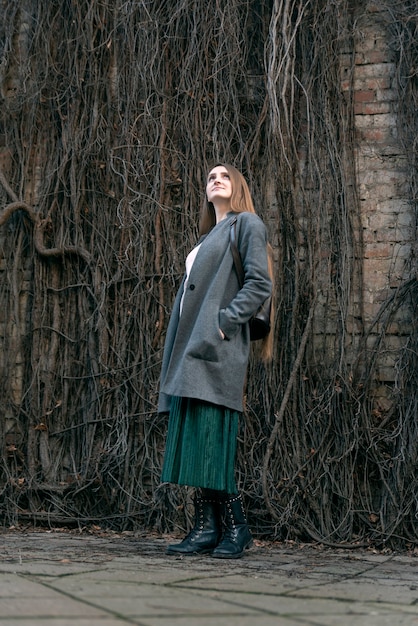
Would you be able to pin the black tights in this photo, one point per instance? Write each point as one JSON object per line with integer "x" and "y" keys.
{"x": 213, "y": 494}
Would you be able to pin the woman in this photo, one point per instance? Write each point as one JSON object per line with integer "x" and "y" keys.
{"x": 205, "y": 361}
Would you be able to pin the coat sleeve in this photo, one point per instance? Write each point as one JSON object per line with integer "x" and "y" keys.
{"x": 252, "y": 245}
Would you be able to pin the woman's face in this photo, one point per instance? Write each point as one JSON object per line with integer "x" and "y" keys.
{"x": 219, "y": 186}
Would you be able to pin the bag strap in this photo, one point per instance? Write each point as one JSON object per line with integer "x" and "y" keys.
{"x": 235, "y": 252}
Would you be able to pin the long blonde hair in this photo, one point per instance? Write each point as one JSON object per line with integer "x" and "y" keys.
{"x": 241, "y": 202}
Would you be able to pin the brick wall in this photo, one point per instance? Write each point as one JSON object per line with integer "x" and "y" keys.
{"x": 382, "y": 172}
{"x": 383, "y": 188}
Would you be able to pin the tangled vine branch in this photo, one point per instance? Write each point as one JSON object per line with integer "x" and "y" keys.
{"x": 111, "y": 113}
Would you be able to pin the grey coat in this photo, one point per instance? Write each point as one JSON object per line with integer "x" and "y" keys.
{"x": 197, "y": 362}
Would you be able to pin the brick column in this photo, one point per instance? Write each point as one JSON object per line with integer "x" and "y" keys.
{"x": 386, "y": 212}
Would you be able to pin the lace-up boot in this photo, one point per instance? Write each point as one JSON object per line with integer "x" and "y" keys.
{"x": 206, "y": 532}
{"x": 236, "y": 536}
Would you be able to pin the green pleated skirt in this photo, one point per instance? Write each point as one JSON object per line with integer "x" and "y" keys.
{"x": 201, "y": 445}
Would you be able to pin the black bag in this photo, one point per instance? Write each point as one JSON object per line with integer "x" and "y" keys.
{"x": 260, "y": 321}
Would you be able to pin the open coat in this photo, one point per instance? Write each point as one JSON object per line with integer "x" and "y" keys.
{"x": 197, "y": 362}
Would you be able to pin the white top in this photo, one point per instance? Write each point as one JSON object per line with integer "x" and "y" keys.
{"x": 189, "y": 264}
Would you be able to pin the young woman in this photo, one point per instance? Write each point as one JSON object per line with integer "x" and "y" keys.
{"x": 205, "y": 361}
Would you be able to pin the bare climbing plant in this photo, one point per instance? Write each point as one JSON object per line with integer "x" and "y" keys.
{"x": 111, "y": 114}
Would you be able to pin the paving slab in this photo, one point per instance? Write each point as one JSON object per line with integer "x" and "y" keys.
{"x": 62, "y": 578}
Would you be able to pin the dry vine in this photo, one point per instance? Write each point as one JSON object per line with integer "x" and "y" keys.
{"x": 111, "y": 113}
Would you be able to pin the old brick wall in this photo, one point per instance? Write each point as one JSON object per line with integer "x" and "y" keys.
{"x": 387, "y": 216}
{"x": 80, "y": 340}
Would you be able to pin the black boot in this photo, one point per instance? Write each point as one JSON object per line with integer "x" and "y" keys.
{"x": 206, "y": 533}
{"x": 236, "y": 537}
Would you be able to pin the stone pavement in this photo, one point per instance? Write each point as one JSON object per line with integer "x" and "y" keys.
{"x": 57, "y": 578}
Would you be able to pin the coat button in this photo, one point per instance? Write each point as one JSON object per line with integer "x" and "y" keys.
{"x": 191, "y": 287}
